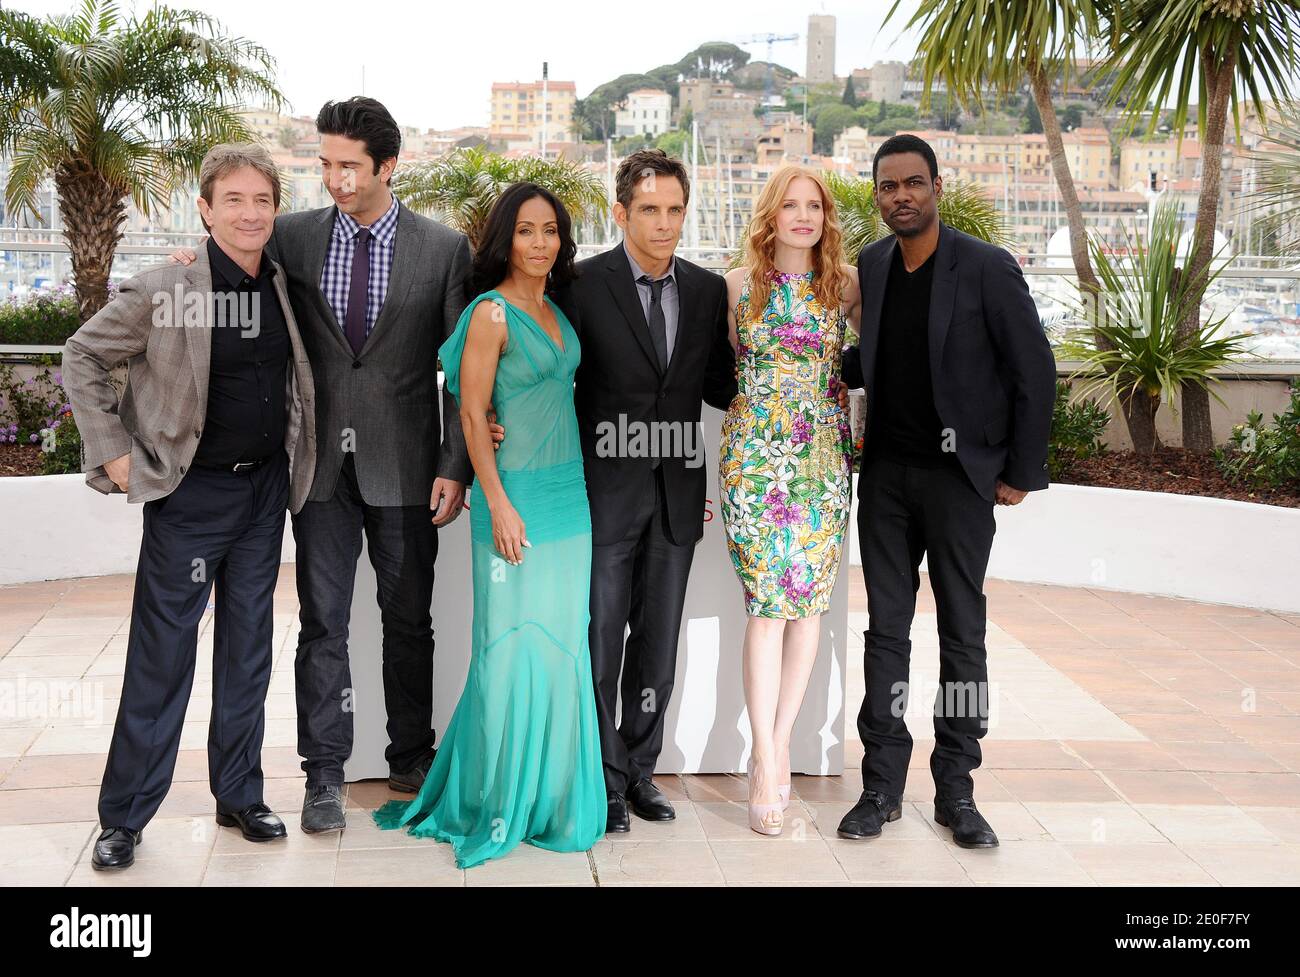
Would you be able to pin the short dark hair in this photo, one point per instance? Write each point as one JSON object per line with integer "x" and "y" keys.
{"x": 645, "y": 161}
{"x": 491, "y": 262}
{"x": 905, "y": 143}
{"x": 363, "y": 119}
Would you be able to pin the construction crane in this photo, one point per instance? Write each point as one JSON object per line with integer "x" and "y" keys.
{"x": 769, "y": 40}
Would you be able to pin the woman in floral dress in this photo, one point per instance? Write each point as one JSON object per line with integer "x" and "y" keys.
{"x": 786, "y": 458}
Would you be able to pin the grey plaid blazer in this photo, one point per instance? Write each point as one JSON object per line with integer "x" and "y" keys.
{"x": 160, "y": 416}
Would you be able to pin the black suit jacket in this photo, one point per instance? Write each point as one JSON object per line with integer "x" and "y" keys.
{"x": 619, "y": 376}
{"x": 992, "y": 368}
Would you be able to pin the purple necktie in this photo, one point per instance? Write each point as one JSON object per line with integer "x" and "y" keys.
{"x": 354, "y": 325}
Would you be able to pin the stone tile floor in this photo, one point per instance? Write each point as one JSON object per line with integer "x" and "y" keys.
{"x": 1136, "y": 740}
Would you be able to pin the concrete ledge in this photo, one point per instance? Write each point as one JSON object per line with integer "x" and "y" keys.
{"x": 1213, "y": 550}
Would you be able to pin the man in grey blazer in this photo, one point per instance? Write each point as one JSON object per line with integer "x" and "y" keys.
{"x": 215, "y": 434}
{"x": 377, "y": 288}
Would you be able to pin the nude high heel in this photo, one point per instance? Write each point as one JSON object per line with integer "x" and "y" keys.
{"x": 766, "y": 819}
{"x": 783, "y": 791}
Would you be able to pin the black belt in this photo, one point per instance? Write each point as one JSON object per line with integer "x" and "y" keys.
{"x": 236, "y": 466}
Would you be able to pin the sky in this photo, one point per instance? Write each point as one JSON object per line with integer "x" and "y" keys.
{"x": 433, "y": 64}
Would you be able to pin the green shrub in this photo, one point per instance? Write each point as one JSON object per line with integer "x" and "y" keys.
{"x": 44, "y": 319}
{"x": 1262, "y": 457}
{"x": 36, "y": 412}
{"x": 1077, "y": 430}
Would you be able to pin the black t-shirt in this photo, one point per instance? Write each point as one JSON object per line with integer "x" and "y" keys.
{"x": 906, "y": 428}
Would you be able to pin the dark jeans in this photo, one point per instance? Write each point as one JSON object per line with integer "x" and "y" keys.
{"x": 215, "y": 527}
{"x": 637, "y": 583}
{"x": 904, "y": 513}
{"x": 403, "y": 545}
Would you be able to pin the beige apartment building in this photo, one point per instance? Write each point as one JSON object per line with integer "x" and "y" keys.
{"x": 721, "y": 110}
{"x": 517, "y": 111}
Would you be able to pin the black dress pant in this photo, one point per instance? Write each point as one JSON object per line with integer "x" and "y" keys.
{"x": 906, "y": 512}
{"x": 403, "y": 544}
{"x": 216, "y": 527}
{"x": 638, "y": 584}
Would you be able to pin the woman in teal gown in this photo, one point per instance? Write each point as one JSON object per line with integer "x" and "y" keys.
{"x": 520, "y": 760}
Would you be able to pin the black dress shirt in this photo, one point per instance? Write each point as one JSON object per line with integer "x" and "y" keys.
{"x": 247, "y": 410}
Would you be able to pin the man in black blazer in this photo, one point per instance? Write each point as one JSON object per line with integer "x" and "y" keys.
{"x": 960, "y": 383}
{"x": 653, "y": 328}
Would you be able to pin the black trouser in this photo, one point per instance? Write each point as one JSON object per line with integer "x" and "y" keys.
{"x": 904, "y": 513}
{"x": 403, "y": 544}
{"x": 215, "y": 527}
{"x": 637, "y": 583}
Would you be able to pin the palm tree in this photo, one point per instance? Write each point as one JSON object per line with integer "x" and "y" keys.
{"x": 117, "y": 109}
{"x": 1228, "y": 49}
{"x": 1144, "y": 305}
{"x": 462, "y": 186}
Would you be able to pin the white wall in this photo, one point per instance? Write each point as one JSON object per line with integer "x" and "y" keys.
{"x": 1211, "y": 550}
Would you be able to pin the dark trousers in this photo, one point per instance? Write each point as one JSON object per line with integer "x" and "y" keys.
{"x": 639, "y": 584}
{"x": 216, "y": 527}
{"x": 904, "y": 513}
{"x": 403, "y": 545}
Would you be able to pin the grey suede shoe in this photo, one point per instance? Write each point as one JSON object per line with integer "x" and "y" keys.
{"x": 322, "y": 808}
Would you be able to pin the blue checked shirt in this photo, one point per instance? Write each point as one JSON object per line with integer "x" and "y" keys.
{"x": 336, "y": 276}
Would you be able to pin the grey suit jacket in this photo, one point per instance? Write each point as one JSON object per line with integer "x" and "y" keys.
{"x": 159, "y": 419}
{"x": 382, "y": 404}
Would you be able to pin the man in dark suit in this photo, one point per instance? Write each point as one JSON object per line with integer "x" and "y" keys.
{"x": 960, "y": 384}
{"x": 653, "y": 328}
{"x": 376, "y": 288}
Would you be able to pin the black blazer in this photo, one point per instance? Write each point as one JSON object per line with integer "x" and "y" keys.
{"x": 619, "y": 375}
{"x": 992, "y": 368}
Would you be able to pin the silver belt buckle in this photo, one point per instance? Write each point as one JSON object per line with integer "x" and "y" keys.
{"x": 241, "y": 466}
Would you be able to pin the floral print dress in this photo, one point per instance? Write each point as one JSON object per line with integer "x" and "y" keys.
{"x": 786, "y": 452}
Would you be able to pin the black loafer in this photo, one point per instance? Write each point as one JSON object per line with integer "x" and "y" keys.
{"x": 648, "y": 802}
{"x": 870, "y": 814}
{"x": 115, "y": 848}
{"x": 411, "y": 780}
{"x": 617, "y": 821}
{"x": 969, "y": 829}
{"x": 257, "y": 822}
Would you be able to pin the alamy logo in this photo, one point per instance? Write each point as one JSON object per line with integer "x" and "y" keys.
{"x": 193, "y": 308}
{"x": 650, "y": 439}
{"x": 102, "y": 930}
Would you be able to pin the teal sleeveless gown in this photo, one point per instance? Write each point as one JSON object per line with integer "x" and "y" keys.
{"x": 520, "y": 759}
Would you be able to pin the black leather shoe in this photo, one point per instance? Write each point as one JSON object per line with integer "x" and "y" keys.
{"x": 870, "y": 814}
{"x": 648, "y": 802}
{"x": 969, "y": 829}
{"x": 412, "y": 780}
{"x": 257, "y": 822}
{"x": 617, "y": 821}
{"x": 115, "y": 848}
{"x": 322, "y": 808}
